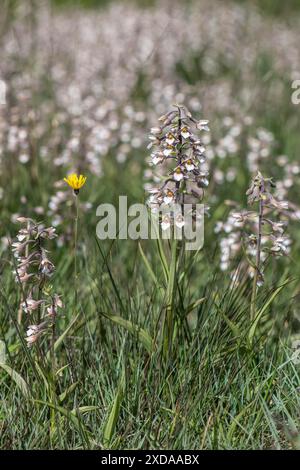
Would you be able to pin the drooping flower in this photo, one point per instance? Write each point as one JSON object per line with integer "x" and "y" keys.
{"x": 34, "y": 332}
{"x": 46, "y": 267}
{"x": 29, "y": 305}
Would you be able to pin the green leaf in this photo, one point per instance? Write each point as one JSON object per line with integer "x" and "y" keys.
{"x": 62, "y": 337}
{"x": 171, "y": 283}
{"x": 67, "y": 392}
{"x": 169, "y": 324}
{"x": 236, "y": 419}
{"x": 161, "y": 253}
{"x": 61, "y": 369}
{"x": 2, "y": 352}
{"x": 194, "y": 305}
{"x": 85, "y": 409}
{"x": 163, "y": 259}
{"x": 147, "y": 264}
{"x": 43, "y": 375}
{"x": 114, "y": 414}
{"x": 19, "y": 381}
{"x": 71, "y": 416}
{"x": 262, "y": 311}
{"x": 235, "y": 330}
{"x": 143, "y": 335}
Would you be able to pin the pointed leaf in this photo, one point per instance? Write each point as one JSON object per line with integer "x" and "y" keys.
{"x": 19, "y": 381}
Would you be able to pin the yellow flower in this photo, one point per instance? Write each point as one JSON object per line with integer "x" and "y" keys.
{"x": 76, "y": 182}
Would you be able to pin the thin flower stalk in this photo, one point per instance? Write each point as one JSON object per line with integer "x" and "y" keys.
{"x": 76, "y": 182}
{"x": 258, "y": 257}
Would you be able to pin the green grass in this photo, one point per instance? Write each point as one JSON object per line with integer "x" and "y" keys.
{"x": 227, "y": 384}
{"x": 219, "y": 389}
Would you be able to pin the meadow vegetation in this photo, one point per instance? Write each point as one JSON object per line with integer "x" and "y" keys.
{"x": 139, "y": 344}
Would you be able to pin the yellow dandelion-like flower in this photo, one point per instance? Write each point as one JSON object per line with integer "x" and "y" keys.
{"x": 75, "y": 181}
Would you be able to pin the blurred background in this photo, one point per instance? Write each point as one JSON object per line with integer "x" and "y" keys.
{"x": 86, "y": 80}
{"x": 274, "y": 7}
{"x": 82, "y": 83}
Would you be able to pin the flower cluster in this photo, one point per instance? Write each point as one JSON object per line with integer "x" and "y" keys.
{"x": 261, "y": 234}
{"x": 181, "y": 157}
{"x": 33, "y": 269}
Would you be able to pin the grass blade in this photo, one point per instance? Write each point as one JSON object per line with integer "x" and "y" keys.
{"x": 142, "y": 334}
{"x": 19, "y": 381}
{"x": 114, "y": 414}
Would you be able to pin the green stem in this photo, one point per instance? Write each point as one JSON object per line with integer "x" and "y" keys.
{"x": 169, "y": 319}
{"x": 169, "y": 323}
{"x": 53, "y": 386}
{"x": 75, "y": 252}
{"x": 258, "y": 260}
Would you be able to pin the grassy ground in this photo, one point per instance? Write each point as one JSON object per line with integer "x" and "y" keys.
{"x": 227, "y": 383}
